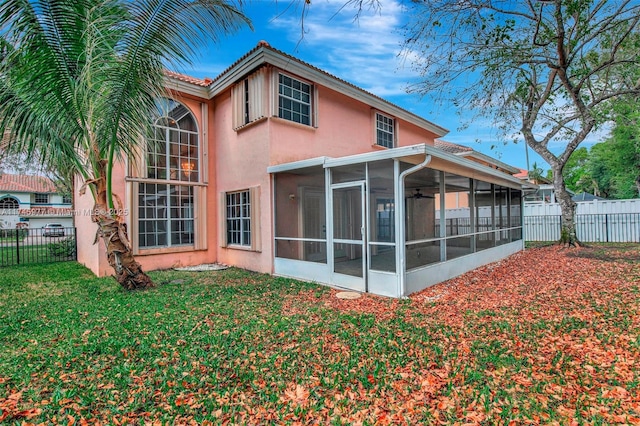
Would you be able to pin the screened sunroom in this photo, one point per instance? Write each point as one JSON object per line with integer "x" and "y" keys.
{"x": 392, "y": 222}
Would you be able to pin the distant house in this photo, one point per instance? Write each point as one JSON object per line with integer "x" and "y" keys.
{"x": 280, "y": 167}
{"x": 31, "y": 202}
{"x": 585, "y": 196}
{"x": 544, "y": 193}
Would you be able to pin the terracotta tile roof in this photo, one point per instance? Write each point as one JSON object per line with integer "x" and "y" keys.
{"x": 522, "y": 175}
{"x": 450, "y": 147}
{"x": 45, "y": 211}
{"x": 26, "y": 183}
{"x": 266, "y": 45}
{"x": 205, "y": 82}
{"x": 473, "y": 155}
{"x": 263, "y": 44}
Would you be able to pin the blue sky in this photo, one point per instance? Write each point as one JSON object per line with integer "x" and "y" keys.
{"x": 365, "y": 52}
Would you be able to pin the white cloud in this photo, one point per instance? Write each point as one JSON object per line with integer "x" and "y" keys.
{"x": 363, "y": 50}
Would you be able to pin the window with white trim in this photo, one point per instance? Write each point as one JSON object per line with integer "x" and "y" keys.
{"x": 385, "y": 131}
{"x": 165, "y": 215}
{"x": 166, "y": 209}
{"x": 9, "y": 203}
{"x": 238, "y": 218}
{"x": 294, "y": 100}
{"x": 41, "y": 199}
{"x": 172, "y": 151}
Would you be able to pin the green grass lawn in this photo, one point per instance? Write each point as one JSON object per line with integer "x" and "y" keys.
{"x": 549, "y": 335}
{"x": 45, "y": 252}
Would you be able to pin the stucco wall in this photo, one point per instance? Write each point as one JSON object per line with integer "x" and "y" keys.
{"x": 344, "y": 127}
{"x": 242, "y": 159}
{"x": 90, "y": 255}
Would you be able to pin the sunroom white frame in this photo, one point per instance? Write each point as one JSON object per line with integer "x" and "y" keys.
{"x": 402, "y": 282}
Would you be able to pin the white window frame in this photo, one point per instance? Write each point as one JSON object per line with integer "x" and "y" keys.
{"x": 382, "y": 125}
{"x": 167, "y": 214}
{"x": 185, "y": 178}
{"x": 9, "y": 203}
{"x": 292, "y": 98}
{"x": 238, "y": 218}
{"x": 40, "y": 194}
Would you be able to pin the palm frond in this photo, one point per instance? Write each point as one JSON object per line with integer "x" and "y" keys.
{"x": 79, "y": 78}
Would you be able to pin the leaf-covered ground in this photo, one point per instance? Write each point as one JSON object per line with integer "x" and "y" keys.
{"x": 548, "y": 336}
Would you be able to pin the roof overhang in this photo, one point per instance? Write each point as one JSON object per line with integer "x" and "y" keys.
{"x": 296, "y": 165}
{"x": 177, "y": 85}
{"x": 413, "y": 154}
{"x": 266, "y": 55}
{"x": 488, "y": 159}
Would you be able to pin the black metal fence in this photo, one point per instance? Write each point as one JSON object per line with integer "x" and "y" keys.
{"x": 21, "y": 246}
{"x": 590, "y": 228}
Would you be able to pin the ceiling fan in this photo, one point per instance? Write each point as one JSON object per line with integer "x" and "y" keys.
{"x": 419, "y": 194}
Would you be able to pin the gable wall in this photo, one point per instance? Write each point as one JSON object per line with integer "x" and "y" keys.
{"x": 345, "y": 126}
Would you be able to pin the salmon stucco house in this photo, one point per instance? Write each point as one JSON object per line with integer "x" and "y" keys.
{"x": 279, "y": 167}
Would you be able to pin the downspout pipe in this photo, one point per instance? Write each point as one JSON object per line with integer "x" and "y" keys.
{"x": 400, "y": 222}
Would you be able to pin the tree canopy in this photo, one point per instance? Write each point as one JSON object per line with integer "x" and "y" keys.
{"x": 610, "y": 169}
{"x": 546, "y": 72}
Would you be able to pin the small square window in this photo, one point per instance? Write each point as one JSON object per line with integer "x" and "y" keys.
{"x": 41, "y": 199}
{"x": 294, "y": 100}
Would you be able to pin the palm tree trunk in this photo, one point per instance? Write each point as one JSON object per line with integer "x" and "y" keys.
{"x": 128, "y": 271}
{"x": 113, "y": 232}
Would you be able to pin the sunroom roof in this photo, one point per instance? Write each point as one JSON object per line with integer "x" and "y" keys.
{"x": 413, "y": 154}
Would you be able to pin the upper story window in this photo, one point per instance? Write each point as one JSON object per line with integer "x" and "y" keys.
{"x": 249, "y": 99}
{"x": 294, "y": 100}
{"x": 172, "y": 151}
{"x": 385, "y": 131}
{"x": 9, "y": 203}
{"x": 253, "y": 98}
{"x": 41, "y": 199}
{"x": 66, "y": 199}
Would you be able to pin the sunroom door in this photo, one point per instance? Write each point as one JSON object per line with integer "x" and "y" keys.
{"x": 349, "y": 265}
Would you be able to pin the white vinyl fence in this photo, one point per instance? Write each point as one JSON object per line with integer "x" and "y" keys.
{"x": 596, "y": 221}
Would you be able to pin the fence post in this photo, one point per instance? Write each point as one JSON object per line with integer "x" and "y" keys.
{"x": 75, "y": 243}
{"x": 18, "y": 246}
{"x": 606, "y": 226}
{"x": 560, "y": 227}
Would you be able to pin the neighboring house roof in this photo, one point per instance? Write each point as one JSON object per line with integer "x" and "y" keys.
{"x": 263, "y": 54}
{"x": 585, "y": 196}
{"x": 473, "y": 155}
{"x": 524, "y": 175}
{"x": 26, "y": 183}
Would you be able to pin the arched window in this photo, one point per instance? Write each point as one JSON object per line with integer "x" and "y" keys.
{"x": 9, "y": 203}
{"x": 172, "y": 152}
{"x": 166, "y": 210}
